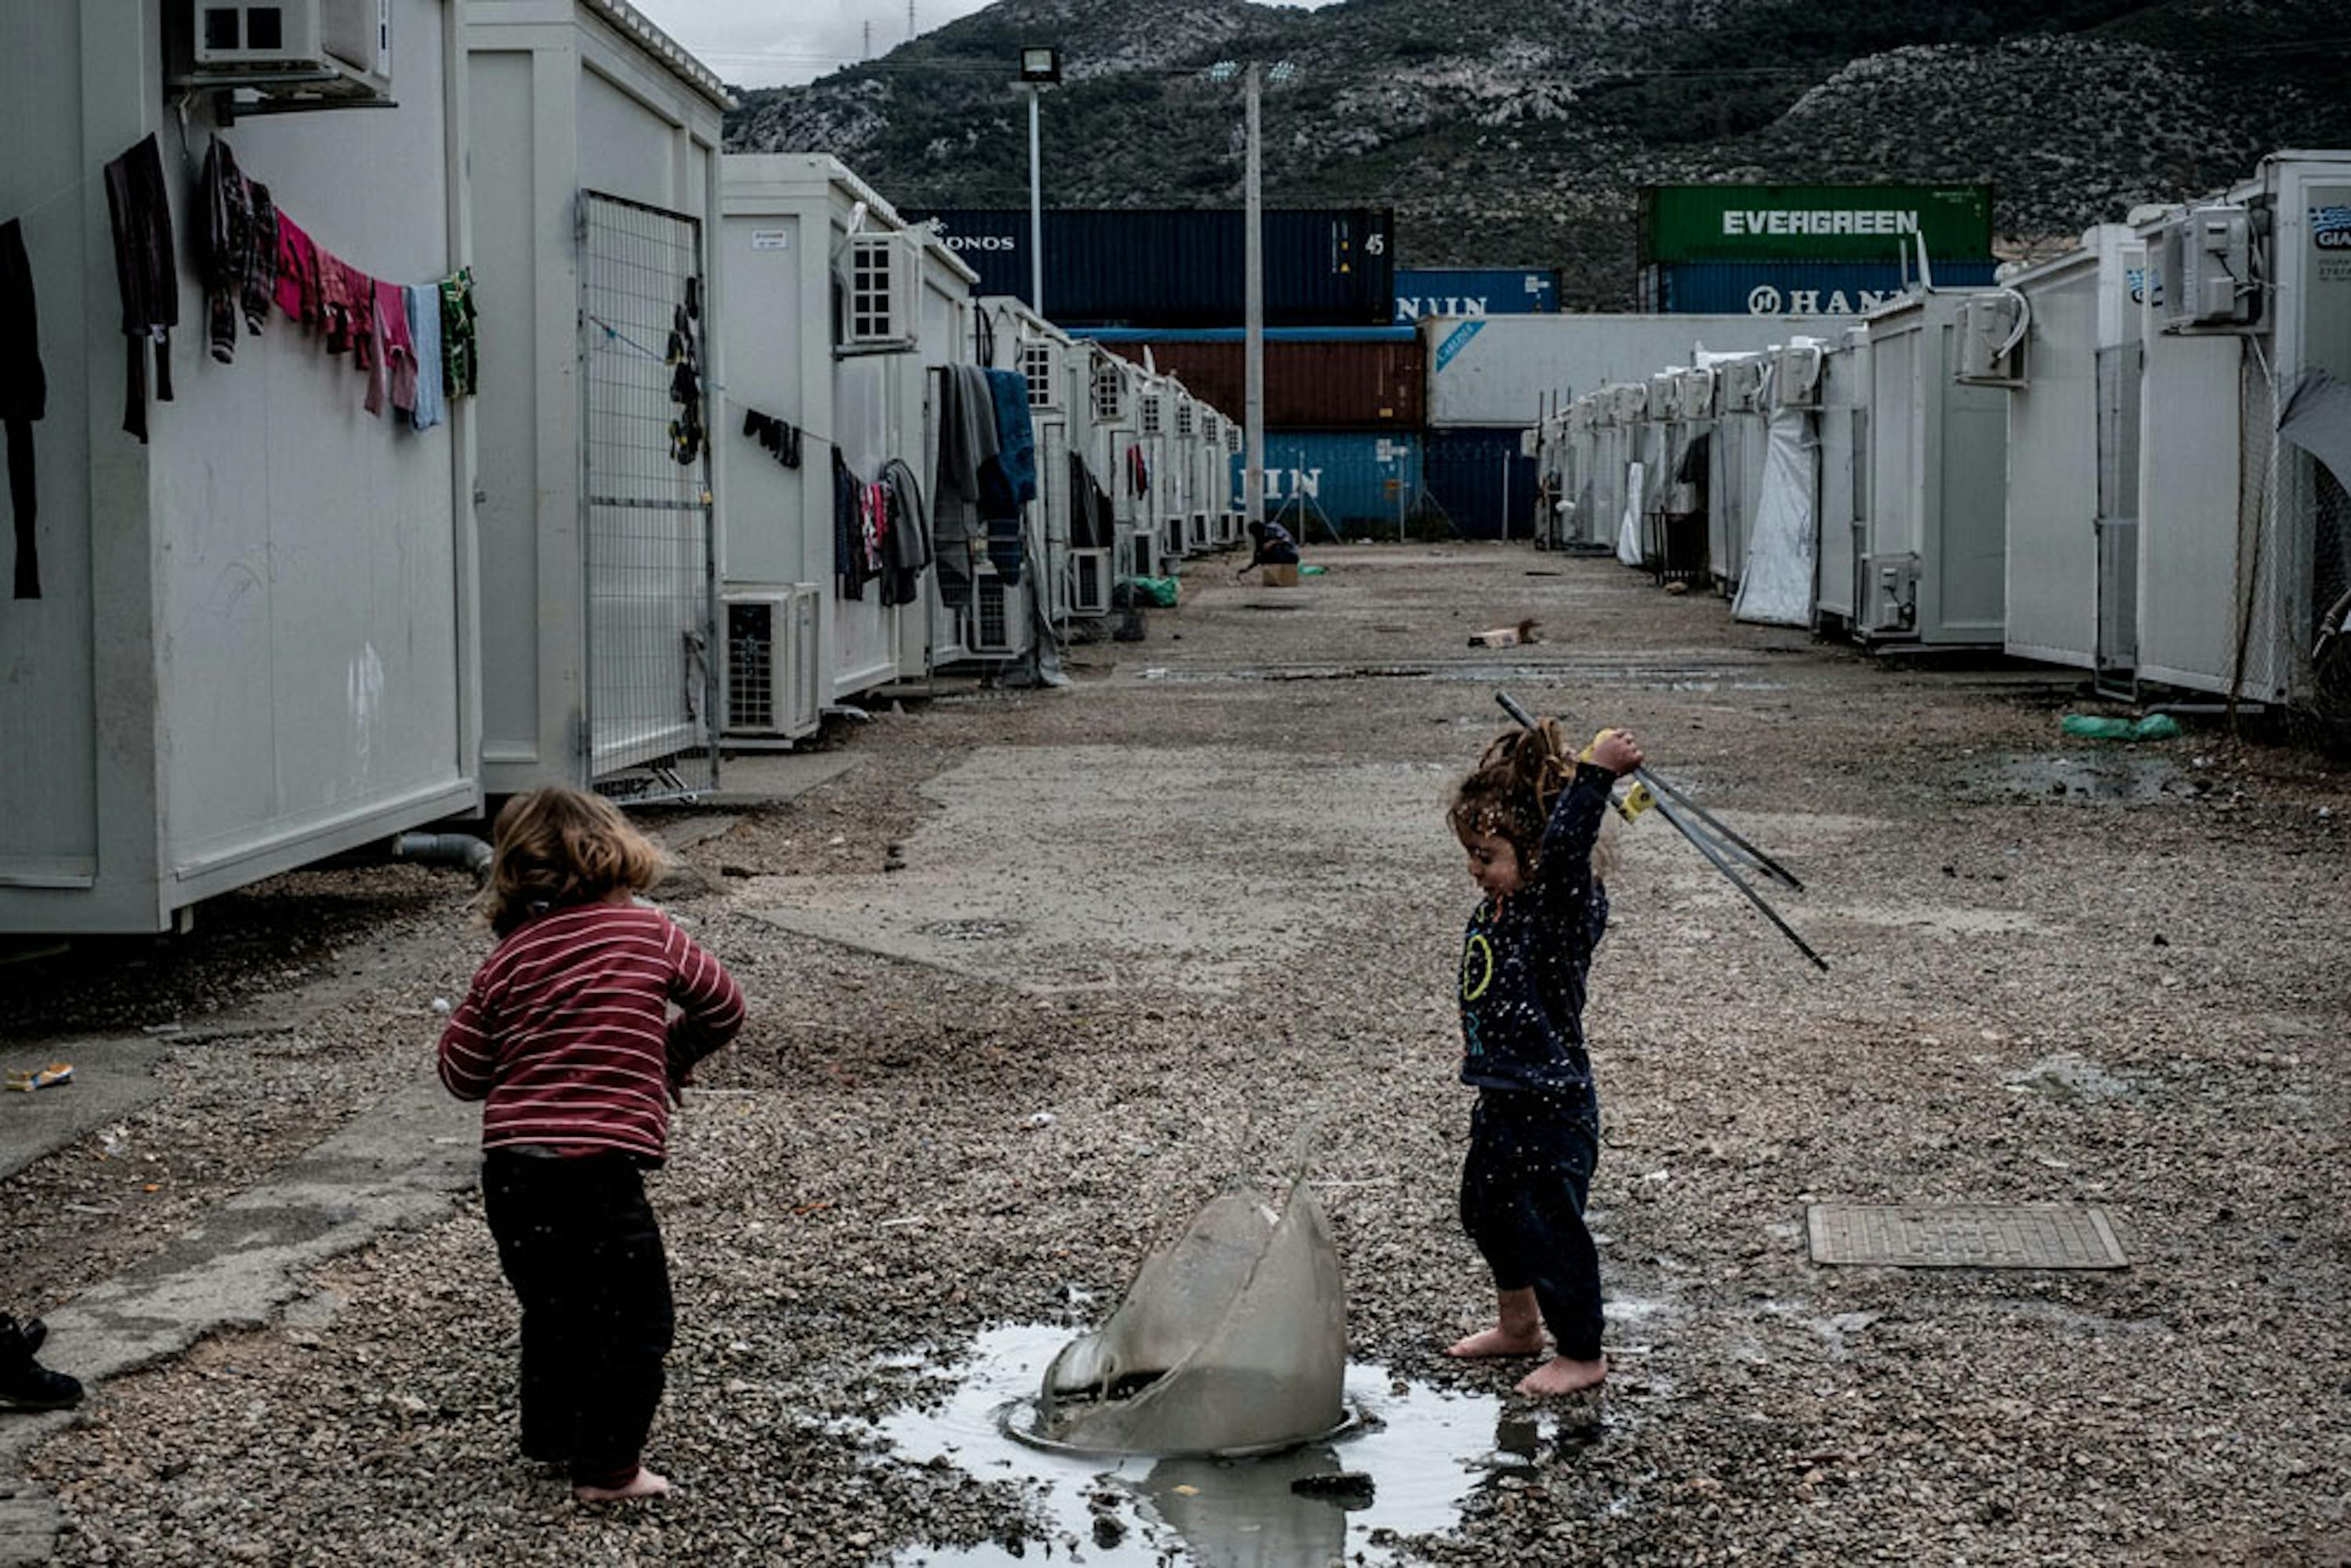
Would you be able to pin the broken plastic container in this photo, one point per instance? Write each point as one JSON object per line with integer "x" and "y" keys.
{"x": 1231, "y": 1341}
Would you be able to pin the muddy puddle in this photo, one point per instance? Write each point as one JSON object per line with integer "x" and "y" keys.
{"x": 1427, "y": 1452}
{"x": 2118, "y": 779}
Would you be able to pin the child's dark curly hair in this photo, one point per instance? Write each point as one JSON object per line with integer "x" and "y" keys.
{"x": 1510, "y": 795}
{"x": 557, "y": 847}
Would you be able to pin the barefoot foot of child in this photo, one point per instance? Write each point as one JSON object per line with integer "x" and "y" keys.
{"x": 645, "y": 1483}
{"x": 1496, "y": 1342}
{"x": 1561, "y": 1375}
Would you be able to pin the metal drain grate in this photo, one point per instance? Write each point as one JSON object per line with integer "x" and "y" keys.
{"x": 1964, "y": 1235}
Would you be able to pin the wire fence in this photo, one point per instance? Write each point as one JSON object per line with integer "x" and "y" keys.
{"x": 649, "y": 551}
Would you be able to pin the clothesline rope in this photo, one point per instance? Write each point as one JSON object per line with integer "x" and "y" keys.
{"x": 614, "y": 335}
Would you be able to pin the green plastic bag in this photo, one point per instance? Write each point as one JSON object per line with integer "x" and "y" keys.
{"x": 2153, "y": 727}
{"x": 1312, "y": 571}
{"x": 1159, "y": 590}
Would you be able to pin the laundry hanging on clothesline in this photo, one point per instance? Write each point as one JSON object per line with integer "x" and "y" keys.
{"x": 138, "y": 211}
{"x": 686, "y": 432}
{"x": 24, "y": 398}
{"x": 779, "y": 439}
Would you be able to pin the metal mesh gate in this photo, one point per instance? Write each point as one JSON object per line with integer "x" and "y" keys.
{"x": 648, "y": 554}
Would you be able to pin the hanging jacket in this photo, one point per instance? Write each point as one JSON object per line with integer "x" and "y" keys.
{"x": 24, "y": 398}
{"x": 1016, "y": 434}
{"x": 139, "y": 210}
{"x": 239, "y": 250}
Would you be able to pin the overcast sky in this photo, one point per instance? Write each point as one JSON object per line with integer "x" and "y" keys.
{"x": 763, "y": 43}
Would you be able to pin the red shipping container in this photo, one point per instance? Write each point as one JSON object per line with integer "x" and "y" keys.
{"x": 1319, "y": 384}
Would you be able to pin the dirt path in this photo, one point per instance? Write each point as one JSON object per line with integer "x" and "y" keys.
{"x": 1044, "y": 969}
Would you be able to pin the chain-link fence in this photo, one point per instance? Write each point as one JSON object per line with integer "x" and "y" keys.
{"x": 649, "y": 554}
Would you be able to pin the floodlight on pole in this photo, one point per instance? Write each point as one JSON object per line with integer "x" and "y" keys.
{"x": 1040, "y": 67}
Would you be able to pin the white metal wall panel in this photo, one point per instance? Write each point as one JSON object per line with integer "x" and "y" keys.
{"x": 2188, "y": 473}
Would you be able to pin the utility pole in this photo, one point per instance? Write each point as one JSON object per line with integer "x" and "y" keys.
{"x": 910, "y": 21}
{"x": 869, "y": 37}
{"x": 1253, "y": 262}
{"x": 1036, "y": 210}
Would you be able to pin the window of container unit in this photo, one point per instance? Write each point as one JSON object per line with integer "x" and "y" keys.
{"x": 1150, "y": 414}
{"x": 1183, "y": 419}
{"x": 1037, "y": 368}
{"x": 1108, "y": 384}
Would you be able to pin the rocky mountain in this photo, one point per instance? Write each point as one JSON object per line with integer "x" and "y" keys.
{"x": 1517, "y": 132}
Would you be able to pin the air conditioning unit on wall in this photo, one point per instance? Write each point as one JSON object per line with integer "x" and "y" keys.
{"x": 1002, "y": 627}
{"x": 1991, "y": 333}
{"x": 1089, "y": 579}
{"x": 882, "y": 274}
{"x": 1796, "y": 376}
{"x": 772, "y": 667}
{"x": 321, "y": 50}
{"x": 2206, "y": 257}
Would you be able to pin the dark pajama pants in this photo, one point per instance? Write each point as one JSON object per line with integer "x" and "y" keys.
{"x": 582, "y": 1250}
{"x": 1522, "y": 1189}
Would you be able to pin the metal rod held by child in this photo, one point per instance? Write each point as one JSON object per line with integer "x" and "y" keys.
{"x": 1708, "y": 837}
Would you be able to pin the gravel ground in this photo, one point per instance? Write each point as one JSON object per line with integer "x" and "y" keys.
{"x": 971, "y": 1093}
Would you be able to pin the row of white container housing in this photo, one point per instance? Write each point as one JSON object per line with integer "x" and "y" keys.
{"x": 275, "y": 627}
{"x": 2130, "y": 459}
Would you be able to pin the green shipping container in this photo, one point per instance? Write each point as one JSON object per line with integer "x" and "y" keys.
{"x": 1812, "y": 223}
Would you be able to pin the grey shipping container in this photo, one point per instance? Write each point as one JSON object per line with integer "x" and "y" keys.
{"x": 1182, "y": 267}
{"x": 1793, "y": 287}
{"x": 1505, "y": 371}
{"x": 1369, "y": 380}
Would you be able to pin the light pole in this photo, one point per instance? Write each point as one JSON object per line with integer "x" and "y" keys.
{"x": 1253, "y": 298}
{"x": 1041, "y": 66}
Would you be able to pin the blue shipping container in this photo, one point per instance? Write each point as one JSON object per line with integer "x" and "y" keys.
{"x": 1318, "y": 483}
{"x": 1329, "y": 267}
{"x": 1479, "y": 481}
{"x": 1789, "y": 287}
{"x": 1474, "y": 291}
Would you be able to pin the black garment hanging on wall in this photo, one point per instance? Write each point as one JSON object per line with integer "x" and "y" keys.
{"x": 145, "y": 273}
{"x": 24, "y": 397}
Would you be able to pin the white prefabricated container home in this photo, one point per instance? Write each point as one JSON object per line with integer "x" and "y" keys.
{"x": 2063, "y": 337}
{"x": 248, "y": 640}
{"x": 2244, "y": 547}
{"x": 841, "y": 317}
{"x": 1934, "y": 565}
{"x": 1492, "y": 370}
{"x": 594, "y": 178}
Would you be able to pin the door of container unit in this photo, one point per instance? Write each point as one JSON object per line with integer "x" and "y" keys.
{"x": 1844, "y": 427}
{"x": 1934, "y": 567}
{"x": 2073, "y": 435}
{"x": 247, "y": 641}
{"x": 1482, "y": 482}
{"x": 2244, "y": 550}
{"x": 594, "y": 166}
{"x": 1734, "y": 467}
{"x": 1339, "y": 484}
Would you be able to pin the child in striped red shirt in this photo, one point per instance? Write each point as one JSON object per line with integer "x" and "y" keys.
{"x": 567, "y": 1036}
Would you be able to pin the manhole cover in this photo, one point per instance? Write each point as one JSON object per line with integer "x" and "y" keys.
{"x": 1964, "y": 1235}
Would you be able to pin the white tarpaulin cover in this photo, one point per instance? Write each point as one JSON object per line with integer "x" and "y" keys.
{"x": 1777, "y": 586}
{"x": 1628, "y": 527}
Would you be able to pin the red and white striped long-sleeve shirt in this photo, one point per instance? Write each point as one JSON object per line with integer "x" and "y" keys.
{"x": 565, "y": 1031}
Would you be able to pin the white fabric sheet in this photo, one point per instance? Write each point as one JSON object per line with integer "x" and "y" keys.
{"x": 1628, "y": 528}
{"x": 1777, "y": 587}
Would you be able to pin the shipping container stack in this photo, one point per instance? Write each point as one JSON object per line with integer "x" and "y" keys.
{"x": 1806, "y": 250}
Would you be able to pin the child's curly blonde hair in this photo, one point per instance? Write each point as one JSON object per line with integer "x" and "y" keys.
{"x": 1510, "y": 795}
{"x": 557, "y": 847}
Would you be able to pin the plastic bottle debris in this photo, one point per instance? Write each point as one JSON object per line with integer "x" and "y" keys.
{"x": 31, "y": 1078}
{"x": 2153, "y": 727}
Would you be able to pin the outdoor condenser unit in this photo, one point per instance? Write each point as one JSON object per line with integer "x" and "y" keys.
{"x": 2205, "y": 258}
{"x": 1992, "y": 328}
{"x": 772, "y": 667}
{"x": 1629, "y": 402}
{"x": 1001, "y": 624}
{"x": 1890, "y": 583}
{"x": 1183, "y": 416}
{"x": 1739, "y": 384}
{"x": 1150, "y": 414}
{"x": 1233, "y": 434}
{"x": 1036, "y": 370}
{"x": 1090, "y": 577}
{"x": 883, "y": 275}
{"x": 1694, "y": 390}
{"x": 1796, "y": 376}
{"x": 1665, "y": 395}
{"x": 1143, "y": 554}
{"x": 336, "y": 48}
